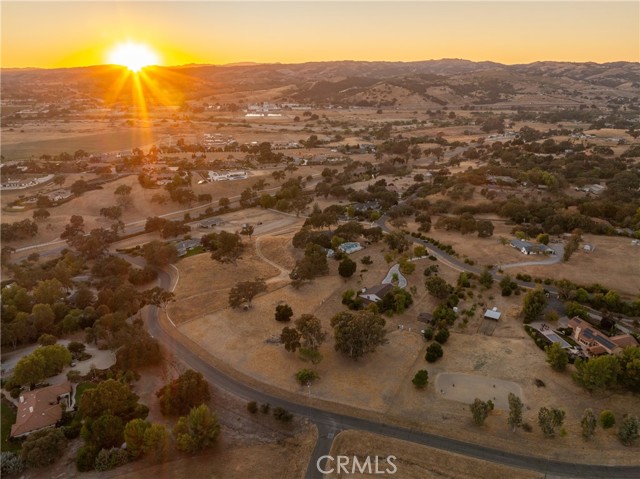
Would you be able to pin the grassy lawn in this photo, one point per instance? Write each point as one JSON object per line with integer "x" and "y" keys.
{"x": 7, "y": 418}
{"x": 194, "y": 251}
{"x": 82, "y": 387}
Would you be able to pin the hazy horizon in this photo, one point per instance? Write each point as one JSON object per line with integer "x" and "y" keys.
{"x": 74, "y": 34}
{"x": 250, "y": 63}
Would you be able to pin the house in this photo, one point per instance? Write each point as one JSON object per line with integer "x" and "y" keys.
{"x": 596, "y": 343}
{"x": 41, "y": 408}
{"x": 232, "y": 175}
{"x": 366, "y": 207}
{"x": 376, "y": 293}
{"x": 595, "y": 189}
{"x": 215, "y": 176}
{"x": 184, "y": 246}
{"x": 210, "y": 223}
{"x": 526, "y": 247}
{"x": 501, "y": 180}
{"x": 426, "y": 318}
{"x": 59, "y": 195}
{"x": 350, "y": 247}
{"x": 492, "y": 314}
{"x": 237, "y": 175}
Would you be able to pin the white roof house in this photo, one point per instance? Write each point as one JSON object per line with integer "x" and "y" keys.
{"x": 492, "y": 314}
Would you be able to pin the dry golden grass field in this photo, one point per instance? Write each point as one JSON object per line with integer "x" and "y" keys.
{"x": 381, "y": 382}
{"x": 204, "y": 283}
{"x": 614, "y": 263}
{"x": 414, "y": 461}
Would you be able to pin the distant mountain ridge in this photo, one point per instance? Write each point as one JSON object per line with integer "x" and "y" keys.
{"x": 420, "y": 83}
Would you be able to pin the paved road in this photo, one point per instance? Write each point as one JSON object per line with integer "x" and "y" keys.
{"x": 330, "y": 423}
{"x": 388, "y": 279}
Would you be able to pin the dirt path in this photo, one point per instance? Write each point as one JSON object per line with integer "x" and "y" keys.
{"x": 284, "y": 274}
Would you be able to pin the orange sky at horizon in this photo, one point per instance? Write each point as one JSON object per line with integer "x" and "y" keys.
{"x": 67, "y": 34}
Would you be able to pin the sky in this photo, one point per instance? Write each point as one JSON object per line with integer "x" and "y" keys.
{"x": 53, "y": 34}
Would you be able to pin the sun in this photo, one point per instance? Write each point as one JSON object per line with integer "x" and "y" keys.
{"x": 134, "y": 56}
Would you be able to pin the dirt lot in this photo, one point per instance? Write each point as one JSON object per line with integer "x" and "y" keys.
{"x": 414, "y": 461}
{"x": 466, "y": 388}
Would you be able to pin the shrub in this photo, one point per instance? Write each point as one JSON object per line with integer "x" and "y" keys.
{"x": 252, "y": 407}
{"x": 282, "y": 414}
{"x": 47, "y": 340}
{"x": 43, "y": 447}
{"x": 629, "y": 430}
{"x": 265, "y": 408}
{"x": 86, "y": 457}
{"x": 434, "y": 352}
{"x": 283, "y": 313}
{"x": 187, "y": 391}
{"x": 428, "y": 333}
{"x": 607, "y": 419}
{"x": 110, "y": 459}
{"x": 442, "y": 335}
{"x": 421, "y": 379}
{"x": 306, "y": 376}
{"x": 72, "y": 430}
{"x": 11, "y": 463}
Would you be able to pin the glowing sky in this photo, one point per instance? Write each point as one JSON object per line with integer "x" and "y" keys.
{"x": 64, "y": 34}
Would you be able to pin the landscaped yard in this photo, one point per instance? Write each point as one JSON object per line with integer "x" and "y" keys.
{"x": 82, "y": 387}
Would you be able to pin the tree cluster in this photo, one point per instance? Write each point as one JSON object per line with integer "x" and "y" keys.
{"x": 358, "y": 333}
{"x": 189, "y": 390}
{"x": 225, "y": 247}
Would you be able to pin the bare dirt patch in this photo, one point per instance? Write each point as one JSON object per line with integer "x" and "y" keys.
{"x": 467, "y": 387}
{"x": 416, "y": 462}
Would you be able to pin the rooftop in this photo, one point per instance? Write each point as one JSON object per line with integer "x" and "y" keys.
{"x": 379, "y": 289}
{"x": 39, "y": 409}
{"x": 491, "y": 314}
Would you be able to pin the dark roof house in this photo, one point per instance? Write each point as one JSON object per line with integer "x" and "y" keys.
{"x": 377, "y": 292}
{"x": 526, "y": 247}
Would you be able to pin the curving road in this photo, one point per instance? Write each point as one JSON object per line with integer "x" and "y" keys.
{"x": 330, "y": 423}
